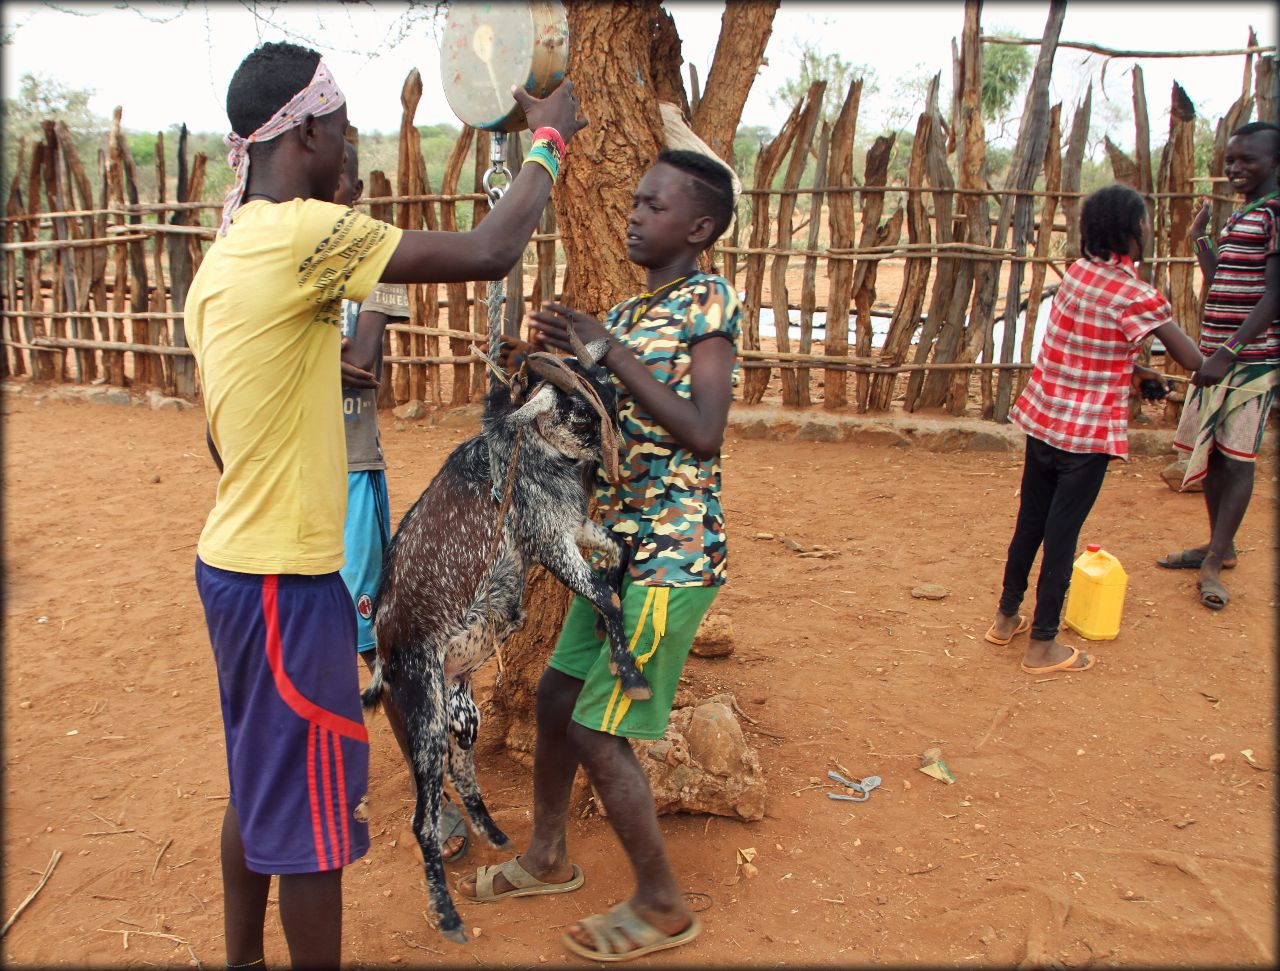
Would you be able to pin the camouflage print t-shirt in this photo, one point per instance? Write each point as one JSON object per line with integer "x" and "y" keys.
{"x": 666, "y": 505}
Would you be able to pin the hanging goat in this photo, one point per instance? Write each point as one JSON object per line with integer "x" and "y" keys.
{"x": 454, "y": 576}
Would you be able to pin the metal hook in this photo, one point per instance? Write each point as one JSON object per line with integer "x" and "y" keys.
{"x": 497, "y": 169}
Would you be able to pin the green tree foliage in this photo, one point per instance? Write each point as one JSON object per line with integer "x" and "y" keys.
{"x": 1004, "y": 69}
{"x": 832, "y": 68}
{"x": 38, "y": 98}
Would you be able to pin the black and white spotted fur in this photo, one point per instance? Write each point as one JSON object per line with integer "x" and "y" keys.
{"x": 442, "y": 608}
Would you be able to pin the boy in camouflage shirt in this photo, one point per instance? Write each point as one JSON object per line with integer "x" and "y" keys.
{"x": 672, "y": 352}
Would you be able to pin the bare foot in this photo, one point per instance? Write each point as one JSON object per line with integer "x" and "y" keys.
{"x": 1043, "y": 654}
{"x": 560, "y": 872}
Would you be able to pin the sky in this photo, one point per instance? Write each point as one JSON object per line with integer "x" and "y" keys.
{"x": 185, "y": 52}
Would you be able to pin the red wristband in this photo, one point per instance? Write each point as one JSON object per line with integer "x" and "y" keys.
{"x": 551, "y": 135}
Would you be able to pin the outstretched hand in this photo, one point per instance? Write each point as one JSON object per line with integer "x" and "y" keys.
{"x": 558, "y": 110}
{"x": 551, "y": 323}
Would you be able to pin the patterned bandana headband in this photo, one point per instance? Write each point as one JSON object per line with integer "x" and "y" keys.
{"x": 321, "y": 96}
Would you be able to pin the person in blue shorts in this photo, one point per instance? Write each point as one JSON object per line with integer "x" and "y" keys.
{"x": 263, "y": 317}
{"x": 367, "y": 531}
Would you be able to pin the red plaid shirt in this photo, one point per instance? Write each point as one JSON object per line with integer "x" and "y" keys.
{"x": 1078, "y": 396}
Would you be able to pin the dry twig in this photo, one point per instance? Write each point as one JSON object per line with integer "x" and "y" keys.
{"x": 48, "y": 872}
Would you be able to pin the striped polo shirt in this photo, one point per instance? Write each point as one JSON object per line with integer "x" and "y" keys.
{"x": 1241, "y": 278}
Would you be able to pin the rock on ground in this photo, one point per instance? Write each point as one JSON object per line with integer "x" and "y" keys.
{"x": 714, "y": 637}
{"x": 703, "y": 764}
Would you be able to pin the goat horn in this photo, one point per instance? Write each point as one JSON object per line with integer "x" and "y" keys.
{"x": 555, "y": 373}
{"x": 584, "y": 356}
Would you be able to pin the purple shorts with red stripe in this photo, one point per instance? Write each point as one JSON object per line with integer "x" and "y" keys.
{"x": 297, "y": 748}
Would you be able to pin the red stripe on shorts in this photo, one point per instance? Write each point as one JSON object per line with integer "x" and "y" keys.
{"x": 316, "y": 828}
{"x": 340, "y": 806}
{"x": 301, "y": 706}
{"x": 326, "y": 784}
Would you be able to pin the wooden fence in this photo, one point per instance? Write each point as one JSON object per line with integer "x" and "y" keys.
{"x": 94, "y": 287}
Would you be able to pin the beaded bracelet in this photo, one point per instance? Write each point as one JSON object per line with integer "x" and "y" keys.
{"x": 549, "y": 133}
{"x": 1233, "y": 345}
{"x": 544, "y": 153}
{"x": 1204, "y": 246}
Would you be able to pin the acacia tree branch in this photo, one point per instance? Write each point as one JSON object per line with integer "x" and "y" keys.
{"x": 1110, "y": 52}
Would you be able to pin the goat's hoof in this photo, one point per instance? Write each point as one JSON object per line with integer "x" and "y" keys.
{"x": 639, "y": 692}
{"x": 458, "y": 935}
{"x": 613, "y": 669}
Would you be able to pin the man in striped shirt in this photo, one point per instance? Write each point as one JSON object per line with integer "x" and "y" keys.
{"x": 1225, "y": 414}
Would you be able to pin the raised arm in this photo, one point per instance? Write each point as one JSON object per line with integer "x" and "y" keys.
{"x": 1206, "y": 254}
{"x": 489, "y": 251}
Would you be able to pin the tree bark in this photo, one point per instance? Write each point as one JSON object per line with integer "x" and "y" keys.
{"x": 744, "y": 34}
{"x": 613, "y": 59}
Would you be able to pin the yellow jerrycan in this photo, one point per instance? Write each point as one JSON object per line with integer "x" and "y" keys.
{"x": 1095, "y": 598}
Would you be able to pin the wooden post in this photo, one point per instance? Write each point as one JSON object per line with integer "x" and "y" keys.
{"x": 90, "y": 263}
{"x": 514, "y": 309}
{"x": 63, "y": 275}
{"x": 1028, "y": 159}
{"x": 146, "y": 367}
{"x": 872, "y": 233}
{"x": 1072, "y": 161}
{"x": 778, "y": 296}
{"x": 945, "y": 280}
{"x": 1048, "y": 210}
{"x": 808, "y": 288}
{"x": 408, "y": 216}
{"x": 479, "y": 210}
{"x": 768, "y": 161}
{"x": 456, "y": 293}
{"x": 159, "y": 296}
{"x": 13, "y": 209}
{"x": 841, "y": 218}
{"x": 906, "y": 314}
{"x": 181, "y": 269}
{"x": 114, "y": 184}
{"x": 1181, "y": 168}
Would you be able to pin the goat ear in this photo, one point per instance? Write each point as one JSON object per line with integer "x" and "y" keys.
{"x": 543, "y": 401}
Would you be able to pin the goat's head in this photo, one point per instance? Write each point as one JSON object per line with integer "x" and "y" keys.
{"x": 574, "y": 408}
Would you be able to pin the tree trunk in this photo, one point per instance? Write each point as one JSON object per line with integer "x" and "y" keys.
{"x": 614, "y": 47}
{"x": 744, "y": 34}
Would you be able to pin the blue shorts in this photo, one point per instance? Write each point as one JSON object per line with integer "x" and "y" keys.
{"x": 366, "y": 535}
{"x": 297, "y": 749}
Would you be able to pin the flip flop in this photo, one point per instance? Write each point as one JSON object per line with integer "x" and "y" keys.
{"x": 1063, "y": 665}
{"x": 622, "y": 934}
{"x": 1213, "y": 594}
{"x": 1024, "y": 625}
{"x": 524, "y": 883}
{"x": 452, "y": 824}
{"x": 1187, "y": 560}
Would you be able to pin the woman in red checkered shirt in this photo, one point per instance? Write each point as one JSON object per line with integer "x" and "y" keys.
{"x": 1075, "y": 412}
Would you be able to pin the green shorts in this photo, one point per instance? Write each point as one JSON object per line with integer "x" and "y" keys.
{"x": 659, "y": 624}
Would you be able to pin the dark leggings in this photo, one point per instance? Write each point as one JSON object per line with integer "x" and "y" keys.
{"x": 1058, "y": 490}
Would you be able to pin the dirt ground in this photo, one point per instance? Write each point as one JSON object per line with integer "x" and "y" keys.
{"x": 1107, "y": 818}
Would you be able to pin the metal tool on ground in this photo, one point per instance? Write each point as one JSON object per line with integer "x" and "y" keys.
{"x": 861, "y": 789}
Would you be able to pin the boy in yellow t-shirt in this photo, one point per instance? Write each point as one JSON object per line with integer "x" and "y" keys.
{"x": 262, "y": 317}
